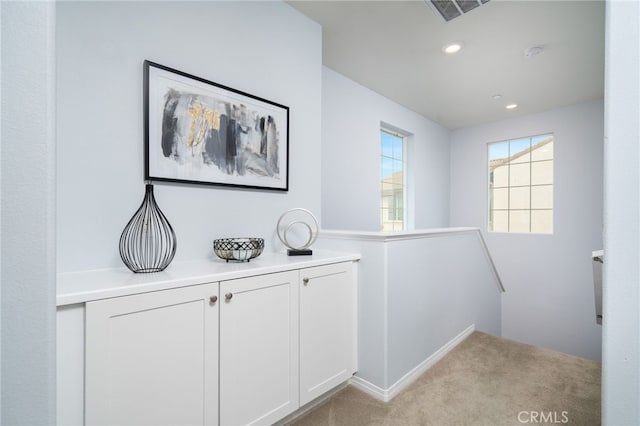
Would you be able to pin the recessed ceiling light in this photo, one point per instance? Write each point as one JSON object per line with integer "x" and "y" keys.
{"x": 511, "y": 106}
{"x": 496, "y": 97}
{"x": 453, "y": 47}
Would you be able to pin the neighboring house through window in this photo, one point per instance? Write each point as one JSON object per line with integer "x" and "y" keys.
{"x": 521, "y": 185}
{"x": 392, "y": 180}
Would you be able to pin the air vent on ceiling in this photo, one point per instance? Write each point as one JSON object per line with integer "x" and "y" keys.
{"x": 449, "y": 9}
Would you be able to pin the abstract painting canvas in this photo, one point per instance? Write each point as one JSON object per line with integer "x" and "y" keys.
{"x": 197, "y": 131}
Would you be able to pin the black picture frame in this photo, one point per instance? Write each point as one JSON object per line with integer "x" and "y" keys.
{"x": 201, "y": 132}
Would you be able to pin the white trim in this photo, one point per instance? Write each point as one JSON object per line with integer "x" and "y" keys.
{"x": 394, "y": 236}
{"x": 387, "y": 395}
{"x": 369, "y": 388}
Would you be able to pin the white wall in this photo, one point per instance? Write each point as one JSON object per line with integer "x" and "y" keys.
{"x": 621, "y": 286}
{"x": 417, "y": 291}
{"x": 1, "y": 222}
{"x": 371, "y": 300}
{"x": 437, "y": 288}
{"x": 267, "y": 49}
{"x": 549, "y": 298}
{"x": 351, "y": 117}
{"x": 28, "y": 213}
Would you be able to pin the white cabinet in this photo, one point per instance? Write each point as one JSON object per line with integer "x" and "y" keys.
{"x": 258, "y": 348}
{"x": 152, "y": 359}
{"x": 327, "y": 319}
{"x": 251, "y": 347}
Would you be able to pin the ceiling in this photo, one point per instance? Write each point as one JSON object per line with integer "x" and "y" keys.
{"x": 395, "y": 49}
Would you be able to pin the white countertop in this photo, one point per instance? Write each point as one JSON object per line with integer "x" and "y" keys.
{"x": 80, "y": 287}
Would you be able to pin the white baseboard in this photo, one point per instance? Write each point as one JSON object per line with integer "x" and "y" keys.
{"x": 387, "y": 395}
{"x": 369, "y": 388}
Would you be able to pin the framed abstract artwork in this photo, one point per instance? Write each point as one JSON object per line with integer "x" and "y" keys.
{"x": 201, "y": 132}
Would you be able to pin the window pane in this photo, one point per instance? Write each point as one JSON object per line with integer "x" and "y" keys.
{"x": 501, "y": 176}
{"x": 398, "y": 212}
{"x": 386, "y": 144}
{"x": 389, "y": 188}
{"x": 519, "y": 151}
{"x": 397, "y": 166}
{"x": 386, "y": 167}
{"x": 398, "y": 178}
{"x": 542, "y": 148}
{"x": 499, "y": 198}
{"x": 542, "y": 197}
{"x": 498, "y": 151}
{"x": 385, "y": 204}
{"x": 535, "y": 140}
{"x": 392, "y": 169}
{"x": 391, "y": 182}
{"x": 519, "y": 221}
{"x": 542, "y": 221}
{"x": 391, "y": 214}
{"x": 385, "y": 224}
{"x": 397, "y": 148}
{"x": 520, "y": 184}
{"x": 499, "y": 221}
{"x": 519, "y": 198}
{"x": 519, "y": 174}
{"x": 542, "y": 172}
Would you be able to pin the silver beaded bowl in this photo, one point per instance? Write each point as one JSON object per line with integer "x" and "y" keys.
{"x": 238, "y": 249}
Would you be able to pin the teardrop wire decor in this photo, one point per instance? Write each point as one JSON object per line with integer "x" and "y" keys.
{"x": 148, "y": 243}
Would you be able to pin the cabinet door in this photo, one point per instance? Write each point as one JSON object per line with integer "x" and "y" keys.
{"x": 327, "y": 335}
{"x": 258, "y": 349}
{"x": 152, "y": 359}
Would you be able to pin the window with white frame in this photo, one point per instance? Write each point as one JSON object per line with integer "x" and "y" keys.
{"x": 521, "y": 185}
{"x": 392, "y": 180}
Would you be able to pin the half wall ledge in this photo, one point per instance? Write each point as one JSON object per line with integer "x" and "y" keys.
{"x": 417, "y": 291}
{"x": 416, "y": 234}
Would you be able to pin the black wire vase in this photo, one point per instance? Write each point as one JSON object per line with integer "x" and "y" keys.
{"x": 148, "y": 243}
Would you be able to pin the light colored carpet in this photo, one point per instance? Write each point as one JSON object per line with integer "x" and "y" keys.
{"x": 486, "y": 380}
